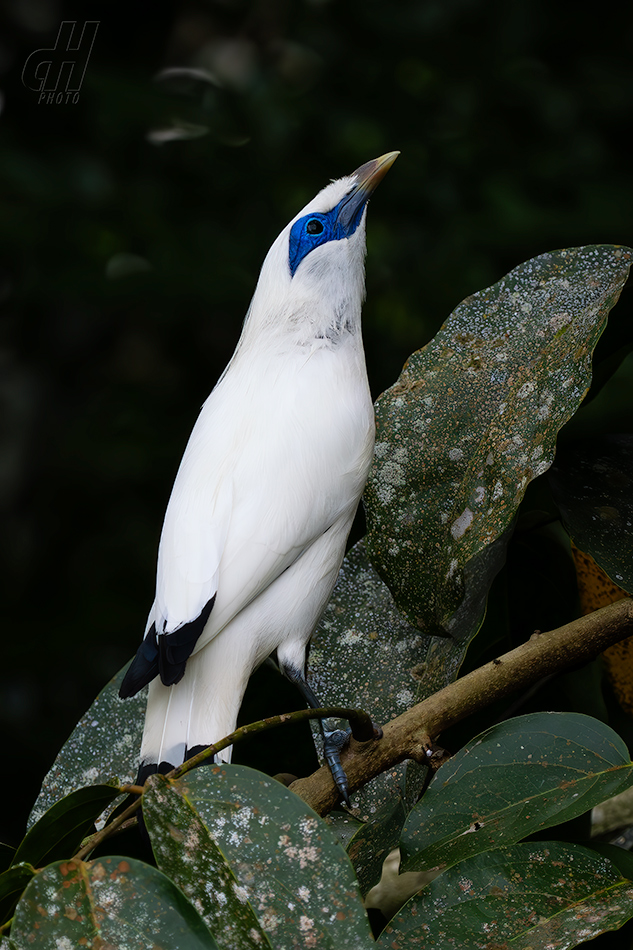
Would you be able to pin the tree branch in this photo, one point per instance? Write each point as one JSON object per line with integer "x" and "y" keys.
{"x": 410, "y": 735}
{"x": 359, "y": 720}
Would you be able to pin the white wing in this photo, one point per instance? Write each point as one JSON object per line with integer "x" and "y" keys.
{"x": 192, "y": 541}
{"x": 263, "y": 476}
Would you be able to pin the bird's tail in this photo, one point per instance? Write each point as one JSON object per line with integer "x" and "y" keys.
{"x": 192, "y": 714}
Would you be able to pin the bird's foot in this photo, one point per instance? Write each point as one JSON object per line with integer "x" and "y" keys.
{"x": 333, "y": 743}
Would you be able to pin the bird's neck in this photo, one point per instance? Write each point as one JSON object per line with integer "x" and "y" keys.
{"x": 304, "y": 323}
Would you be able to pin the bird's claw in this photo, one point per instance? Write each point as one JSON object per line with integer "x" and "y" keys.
{"x": 333, "y": 743}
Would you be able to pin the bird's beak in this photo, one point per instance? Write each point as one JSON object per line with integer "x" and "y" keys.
{"x": 368, "y": 177}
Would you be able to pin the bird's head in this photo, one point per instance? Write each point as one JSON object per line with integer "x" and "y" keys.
{"x": 314, "y": 270}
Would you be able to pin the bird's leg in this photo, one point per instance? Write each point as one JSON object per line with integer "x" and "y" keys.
{"x": 333, "y": 742}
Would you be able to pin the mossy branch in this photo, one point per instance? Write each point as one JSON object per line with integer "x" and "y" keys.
{"x": 410, "y": 736}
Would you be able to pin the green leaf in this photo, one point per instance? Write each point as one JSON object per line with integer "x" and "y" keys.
{"x": 12, "y": 884}
{"x": 620, "y": 857}
{"x": 60, "y": 830}
{"x": 343, "y": 825}
{"x": 6, "y": 856}
{"x": 380, "y": 834}
{"x": 375, "y": 840}
{"x": 365, "y": 654}
{"x": 530, "y": 897}
{"x": 516, "y": 778}
{"x": 287, "y": 863}
{"x": 186, "y": 851}
{"x": 592, "y": 484}
{"x": 103, "y": 748}
{"x": 110, "y": 902}
{"x": 472, "y": 420}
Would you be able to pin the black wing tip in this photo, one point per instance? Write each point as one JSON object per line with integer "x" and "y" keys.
{"x": 165, "y": 655}
{"x": 126, "y": 689}
{"x": 174, "y": 649}
{"x": 143, "y": 668}
{"x": 170, "y": 673}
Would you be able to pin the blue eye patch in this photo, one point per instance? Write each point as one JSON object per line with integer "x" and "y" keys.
{"x": 317, "y": 228}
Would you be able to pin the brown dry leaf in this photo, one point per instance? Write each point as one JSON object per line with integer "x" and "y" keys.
{"x": 597, "y": 590}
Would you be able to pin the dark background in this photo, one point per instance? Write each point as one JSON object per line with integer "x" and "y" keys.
{"x": 514, "y": 123}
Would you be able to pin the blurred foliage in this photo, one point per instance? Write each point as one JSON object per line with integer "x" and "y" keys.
{"x": 126, "y": 267}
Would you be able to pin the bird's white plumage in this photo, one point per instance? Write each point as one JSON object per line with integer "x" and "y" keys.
{"x": 267, "y": 488}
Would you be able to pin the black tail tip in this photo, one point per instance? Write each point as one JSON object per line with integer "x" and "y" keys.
{"x": 146, "y": 769}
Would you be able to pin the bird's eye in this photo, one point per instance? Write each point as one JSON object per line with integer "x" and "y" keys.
{"x": 314, "y": 226}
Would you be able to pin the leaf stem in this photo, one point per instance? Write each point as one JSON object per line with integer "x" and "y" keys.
{"x": 106, "y": 832}
{"x": 362, "y": 729}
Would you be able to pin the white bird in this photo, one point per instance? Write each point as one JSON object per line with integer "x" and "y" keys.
{"x": 268, "y": 486}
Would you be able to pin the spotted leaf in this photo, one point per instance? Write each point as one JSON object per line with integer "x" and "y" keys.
{"x": 513, "y": 780}
{"x": 285, "y": 865}
{"x": 365, "y": 654}
{"x": 472, "y": 420}
{"x": 538, "y": 895}
{"x": 110, "y": 902}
